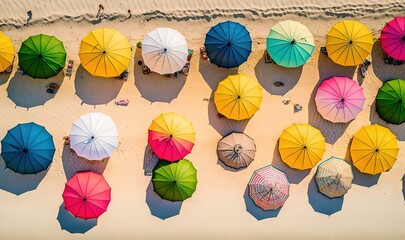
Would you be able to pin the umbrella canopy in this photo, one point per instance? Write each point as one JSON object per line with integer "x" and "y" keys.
{"x": 269, "y": 188}
{"x": 228, "y": 44}
{"x": 334, "y": 177}
{"x": 174, "y": 181}
{"x": 27, "y": 148}
{"x": 339, "y": 99}
{"x": 349, "y": 43}
{"x": 237, "y": 150}
{"x": 105, "y": 52}
{"x": 42, "y": 56}
{"x": 164, "y": 50}
{"x": 301, "y": 146}
{"x": 171, "y": 136}
{"x": 94, "y": 136}
{"x": 374, "y": 149}
{"x": 390, "y": 101}
{"x": 238, "y": 97}
{"x": 87, "y": 195}
{"x": 6, "y": 52}
{"x": 290, "y": 44}
{"x": 393, "y": 38}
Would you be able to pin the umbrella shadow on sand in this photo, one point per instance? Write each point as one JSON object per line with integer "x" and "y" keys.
{"x": 269, "y": 73}
{"x": 96, "y": 90}
{"x": 150, "y": 159}
{"x": 212, "y": 74}
{"x": 257, "y": 211}
{"x": 159, "y": 207}
{"x": 220, "y": 123}
{"x": 398, "y": 130}
{"x": 28, "y": 92}
{"x": 4, "y": 77}
{"x": 331, "y": 131}
{"x": 72, "y": 224}
{"x": 17, "y": 183}
{"x": 321, "y": 203}
{"x": 72, "y": 163}
{"x": 382, "y": 70}
{"x": 294, "y": 176}
{"x": 327, "y": 68}
{"x": 155, "y": 87}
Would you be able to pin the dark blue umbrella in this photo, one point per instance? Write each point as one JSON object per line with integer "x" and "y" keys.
{"x": 27, "y": 148}
{"x": 228, "y": 44}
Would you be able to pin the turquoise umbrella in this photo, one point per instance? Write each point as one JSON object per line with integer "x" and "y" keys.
{"x": 290, "y": 44}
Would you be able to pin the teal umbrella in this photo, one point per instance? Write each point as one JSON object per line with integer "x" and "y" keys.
{"x": 390, "y": 101}
{"x": 42, "y": 56}
{"x": 290, "y": 44}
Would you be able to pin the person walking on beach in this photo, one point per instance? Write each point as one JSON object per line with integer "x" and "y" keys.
{"x": 100, "y": 10}
{"x": 29, "y": 14}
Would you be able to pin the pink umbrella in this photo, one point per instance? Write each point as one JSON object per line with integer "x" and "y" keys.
{"x": 87, "y": 195}
{"x": 339, "y": 99}
{"x": 269, "y": 188}
{"x": 393, "y": 38}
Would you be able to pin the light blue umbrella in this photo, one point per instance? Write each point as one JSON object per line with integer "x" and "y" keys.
{"x": 27, "y": 148}
{"x": 228, "y": 44}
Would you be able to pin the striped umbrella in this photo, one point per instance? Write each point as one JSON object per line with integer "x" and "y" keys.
{"x": 334, "y": 177}
{"x": 269, "y": 188}
{"x": 237, "y": 150}
{"x": 393, "y": 38}
{"x": 339, "y": 99}
{"x": 171, "y": 136}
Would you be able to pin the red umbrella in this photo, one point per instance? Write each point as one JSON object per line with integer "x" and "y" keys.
{"x": 393, "y": 38}
{"x": 87, "y": 195}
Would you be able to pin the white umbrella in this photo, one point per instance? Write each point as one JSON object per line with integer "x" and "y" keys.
{"x": 164, "y": 50}
{"x": 94, "y": 136}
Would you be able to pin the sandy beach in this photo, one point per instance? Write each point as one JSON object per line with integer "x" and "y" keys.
{"x": 32, "y": 206}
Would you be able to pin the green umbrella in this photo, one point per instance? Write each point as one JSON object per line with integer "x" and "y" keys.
{"x": 42, "y": 56}
{"x": 290, "y": 44}
{"x": 390, "y": 101}
{"x": 174, "y": 181}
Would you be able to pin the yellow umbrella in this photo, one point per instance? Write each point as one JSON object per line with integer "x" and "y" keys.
{"x": 105, "y": 52}
{"x": 301, "y": 146}
{"x": 374, "y": 149}
{"x": 6, "y": 52}
{"x": 349, "y": 43}
{"x": 238, "y": 97}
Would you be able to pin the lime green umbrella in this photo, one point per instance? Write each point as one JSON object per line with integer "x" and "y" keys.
{"x": 390, "y": 101}
{"x": 174, "y": 181}
{"x": 42, "y": 56}
{"x": 290, "y": 44}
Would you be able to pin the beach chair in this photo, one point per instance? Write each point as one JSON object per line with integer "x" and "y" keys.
{"x": 20, "y": 71}
{"x": 69, "y": 68}
{"x": 323, "y": 50}
{"x": 124, "y": 75}
{"x": 122, "y": 102}
{"x": 267, "y": 58}
{"x": 204, "y": 53}
{"x": 363, "y": 71}
{"x": 186, "y": 69}
{"x": 366, "y": 63}
{"x": 145, "y": 69}
{"x": 190, "y": 54}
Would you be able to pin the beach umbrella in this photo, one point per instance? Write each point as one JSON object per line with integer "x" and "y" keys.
{"x": 27, "y": 148}
{"x": 393, "y": 38}
{"x": 86, "y": 195}
{"x": 339, "y": 99}
{"x": 228, "y": 44}
{"x": 174, "y": 181}
{"x": 164, "y": 50}
{"x": 290, "y": 44}
{"x": 238, "y": 97}
{"x": 6, "y": 52}
{"x": 390, "y": 101}
{"x": 374, "y": 149}
{"x": 301, "y": 146}
{"x": 349, "y": 42}
{"x": 42, "y": 56}
{"x": 334, "y": 177}
{"x": 269, "y": 188}
{"x": 237, "y": 150}
{"x": 94, "y": 136}
{"x": 105, "y": 52}
{"x": 171, "y": 136}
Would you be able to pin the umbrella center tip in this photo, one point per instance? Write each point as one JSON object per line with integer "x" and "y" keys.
{"x": 92, "y": 137}
{"x": 229, "y": 44}
{"x": 351, "y": 42}
{"x": 164, "y": 49}
{"x": 104, "y": 52}
{"x": 304, "y": 147}
{"x": 400, "y": 101}
{"x": 238, "y": 97}
{"x": 174, "y": 181}
{"x": 403, "y": 38}
{"x": 293, "y": 41}
{"x": 84, "y": 199}
{"x": 339, "y": 176}
{"x": 25, "y": 150}
{"x": 40, "y": 56}
{"x": 171, "y": 135}
{"x": 377, "y": 150}
{"x": 238, "y": 148}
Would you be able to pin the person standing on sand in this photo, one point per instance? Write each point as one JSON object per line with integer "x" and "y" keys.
{"x": 100, "y": 10}
{"x": 29, "y": 14}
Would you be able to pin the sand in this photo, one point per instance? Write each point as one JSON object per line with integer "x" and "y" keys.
{"x": 31, "y": 206}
